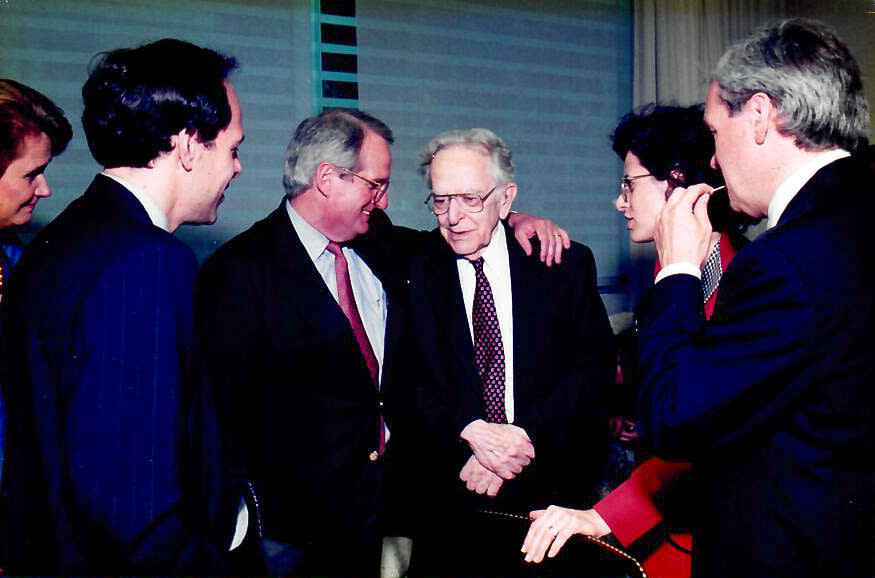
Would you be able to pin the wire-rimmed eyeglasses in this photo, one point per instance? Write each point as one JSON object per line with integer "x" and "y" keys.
{"x": 469, "y": 202}
{"x": 626, "y": 185}
{"x": 379, "y": 189}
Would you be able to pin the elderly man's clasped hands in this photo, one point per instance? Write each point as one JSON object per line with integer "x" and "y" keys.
{"x": 500, "y": 452}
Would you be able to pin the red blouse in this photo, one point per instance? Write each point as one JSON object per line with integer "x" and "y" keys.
{"x": 630, "y": 510}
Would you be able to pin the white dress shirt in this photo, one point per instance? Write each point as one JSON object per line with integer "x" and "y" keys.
{"x": 794, "y": 183}
{"x": 156, "y": 215}
{"x": 785, "y": 193}
{"x": 366, "y": 287}
{"x": 496, "y": 267}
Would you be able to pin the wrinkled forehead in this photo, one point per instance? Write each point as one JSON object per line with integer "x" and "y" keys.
{"x": 460, "y": 169}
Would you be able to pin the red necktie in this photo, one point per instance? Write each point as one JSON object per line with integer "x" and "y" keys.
{"x": 346, "y": 299}
{"x": 488, "y": 348}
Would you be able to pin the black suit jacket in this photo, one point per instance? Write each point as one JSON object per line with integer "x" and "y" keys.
{"x": 302, "y": 411}
{"x": 114, "y": 465}
{"x": 773, "y": 398}
{"x": 564, "y": 358}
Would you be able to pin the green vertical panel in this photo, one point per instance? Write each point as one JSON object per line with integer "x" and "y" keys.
{"x": 320, "y": 101}
{"x": 316, "y": 48}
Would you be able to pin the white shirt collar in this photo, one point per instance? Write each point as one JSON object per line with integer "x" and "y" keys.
{"x": 794, "y": 183}
{"x": 495, "y": 253}
{"x": 313, "y": 239}
{"x": 156, "y": 215}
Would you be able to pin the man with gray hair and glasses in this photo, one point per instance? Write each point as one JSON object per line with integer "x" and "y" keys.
{"x": 505, "y": 364}
{"x": 299, "y": 322}
{"x": 772, "y": 399}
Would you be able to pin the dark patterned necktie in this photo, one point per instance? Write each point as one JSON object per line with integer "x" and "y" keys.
{"x": 346, "y": 300}
{"x": 488, "y": 348}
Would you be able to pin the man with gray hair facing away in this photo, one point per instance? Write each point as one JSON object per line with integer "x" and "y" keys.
{"x": 299, "y": 317}
{"x": 772, "y": 399}
{"x": 506, "y": 362}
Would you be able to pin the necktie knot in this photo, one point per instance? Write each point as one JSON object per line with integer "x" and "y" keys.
{"x": 334, "y": 249}
{"x": 478, "y": 265}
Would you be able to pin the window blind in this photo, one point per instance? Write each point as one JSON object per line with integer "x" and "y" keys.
{"x": 49, "y": 44}
{"x": 551, "y": 78}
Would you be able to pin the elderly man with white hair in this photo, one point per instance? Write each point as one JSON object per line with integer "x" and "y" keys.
{"x": 508, "y": 358}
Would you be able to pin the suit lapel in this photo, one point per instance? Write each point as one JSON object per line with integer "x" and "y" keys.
{"x": 376, "y": 249}
{"x": 395, "y": 316}
{"x": 305, "y": 291}
{"x": 443, "y": 298}
{"x": 812, "y": 194}
{"x": 527, "y": 283}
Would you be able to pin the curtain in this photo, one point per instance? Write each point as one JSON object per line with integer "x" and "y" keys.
{"x": 677, "y": 42}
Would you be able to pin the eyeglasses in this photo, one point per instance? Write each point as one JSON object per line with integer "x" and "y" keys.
{"x": 626, "y": 185}
{"x": 470, "y": 202}
{"x": 379, "y": 189}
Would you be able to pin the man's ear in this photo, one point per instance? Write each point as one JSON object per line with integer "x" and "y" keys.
{"x": 186, "y": 147}
{"x": 764, "y": 115}
{"x": 506, "y": 200}
{"x": 323, "y": 178}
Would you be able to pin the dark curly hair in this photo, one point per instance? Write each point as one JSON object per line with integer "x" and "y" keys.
{"x": 136, "y": 99}
{"x": 25, "y": 112}
{"x": 674, "y": 144}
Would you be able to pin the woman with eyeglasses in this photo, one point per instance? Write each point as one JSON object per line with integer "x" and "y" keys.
{"x": 662, "y": 147}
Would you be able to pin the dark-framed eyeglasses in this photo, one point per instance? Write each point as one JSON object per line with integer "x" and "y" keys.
{"x": 469, "y": 202}
{"x": 379, "y": 189}
{"x": 626, "y": 185}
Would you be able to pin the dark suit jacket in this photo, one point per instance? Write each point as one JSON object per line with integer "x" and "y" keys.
{"x": 563, "y": 358}
{"x": 300, "y": 404}
{"x": 773, "y": 398}
{"x": 102, "y": 474}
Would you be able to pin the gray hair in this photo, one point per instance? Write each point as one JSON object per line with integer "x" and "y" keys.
{"x": 502, "y": 163}
{"x": 809, "y": 75}
{"x": 336, "y": 137}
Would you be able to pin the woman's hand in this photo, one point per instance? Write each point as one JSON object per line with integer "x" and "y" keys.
{"x": 552, "y": 527}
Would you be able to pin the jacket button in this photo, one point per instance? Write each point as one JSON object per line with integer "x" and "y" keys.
{"x": 373, "y": 456}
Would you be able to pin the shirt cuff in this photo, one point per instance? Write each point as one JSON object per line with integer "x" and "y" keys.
{"x": 242, "y": 525}
{"x": 677, "y": 269}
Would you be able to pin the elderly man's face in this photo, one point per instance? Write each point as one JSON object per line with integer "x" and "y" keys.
{"x": 458, "y": 170}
